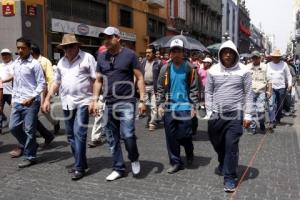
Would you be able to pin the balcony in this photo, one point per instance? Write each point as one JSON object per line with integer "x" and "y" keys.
{"x": 156, "y": 3}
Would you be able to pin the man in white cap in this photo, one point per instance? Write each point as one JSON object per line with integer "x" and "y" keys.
{"x": 281, "y": 79}
{"x": 6, "y": 76}
{"x": 177, "y": 100}
{"x": 116, "y": 69}
{"x": 75, "y": 76}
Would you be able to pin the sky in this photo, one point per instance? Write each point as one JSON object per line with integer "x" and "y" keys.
{"x": 276, "y": 17}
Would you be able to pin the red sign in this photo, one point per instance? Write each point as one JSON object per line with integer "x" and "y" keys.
{"x": 31, "y": 10}
{"x": 8, "y": 10}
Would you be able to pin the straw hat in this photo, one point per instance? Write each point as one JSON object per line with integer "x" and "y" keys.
{"x": 68, "y": 39}
{"x": 276, "y": 53}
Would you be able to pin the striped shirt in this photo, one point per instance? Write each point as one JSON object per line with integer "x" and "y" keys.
{"x": 229, "y": 89}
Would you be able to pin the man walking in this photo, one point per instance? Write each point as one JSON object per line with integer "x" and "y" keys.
{"x": 29, "y": 82}
{"x": 116, "y": 69}
{"x": 228, "y": 101}
{"x": 151, "y": 67}
{"x": 75, "y": 76}
{"x": 177, "y": 100}
{"x": 261, "y": 89}
{"x": 281, "y": 79}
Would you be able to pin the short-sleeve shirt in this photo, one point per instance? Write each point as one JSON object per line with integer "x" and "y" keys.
{"x": 6, "y": 71}
{"x": 117, "y": 71}
{"x": 76, "y": 80}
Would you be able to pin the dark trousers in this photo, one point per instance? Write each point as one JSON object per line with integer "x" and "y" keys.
{"x": 224, "y": 133}
{"x": 45, "y": 133}
{"x": 178, "y": 131}
{"x": 6, "y": 99}
{"x": 279, "y": 97}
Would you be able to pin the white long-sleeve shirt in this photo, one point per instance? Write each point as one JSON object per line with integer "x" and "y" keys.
{"x": 280, "y": 74}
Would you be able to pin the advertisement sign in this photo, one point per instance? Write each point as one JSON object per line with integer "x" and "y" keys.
{"x": 8, "y": 8}
{"x": 31, "y": 10}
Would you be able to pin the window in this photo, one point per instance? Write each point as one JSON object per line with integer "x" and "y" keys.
{"x": 171, "y": 8}
{"x": 182, "y": 9}
{"x": 125, "y": 17}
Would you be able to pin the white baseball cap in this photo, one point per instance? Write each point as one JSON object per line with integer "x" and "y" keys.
{"x": 110, "y": 31}
{"x": 6, "y": 51}
{"x": 176, "y": 43}
{"x": 207, "y": 60}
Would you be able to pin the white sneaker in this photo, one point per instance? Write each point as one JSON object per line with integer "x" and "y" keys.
{"x": 206, "y": 117}
{"x": 113, "y": 176}
{"x": 136, "y": 167}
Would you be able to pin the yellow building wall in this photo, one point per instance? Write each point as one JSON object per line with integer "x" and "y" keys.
{"x": 140, "y": 11}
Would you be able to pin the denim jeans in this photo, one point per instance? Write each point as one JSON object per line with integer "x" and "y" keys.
{"x": 23, "y": 121}
{"x": 278, "y": 102}
{"x": 76, "y": 123}
{"x": 119, "y": 120}
{"x": 178, "y": 131}
{"x": 258, "y": 109}
{"x": 224, "y": 132}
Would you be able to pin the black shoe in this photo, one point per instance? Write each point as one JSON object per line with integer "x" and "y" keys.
{"x": 77, "y": 175}
{"x": 56, "y": 128}
{"x": 175, "y": 168}
{"x": 219, "y": 171}
{"x": 262, "y": 127}
{"x": 72, "y": 170}
{"x": 93, "y": 144}
{"x": 26, "y": 163}
{"x": 190, "y": 159}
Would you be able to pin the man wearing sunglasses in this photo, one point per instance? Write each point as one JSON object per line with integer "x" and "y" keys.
{"x": 116, "y": 69}
{"x": 74, "y": 76}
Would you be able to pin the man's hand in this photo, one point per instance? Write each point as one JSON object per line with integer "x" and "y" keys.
{"x": 46, "y": 106}
{"x": 246, "y": 123}
{"x": 142, "y": 108}
{"x": 193, "y": 112}
{"x": 289, "y": 88}
{"x": 269, "y": 95}
{"x": 161, "y": 111}
{"x": 28, "y": 102}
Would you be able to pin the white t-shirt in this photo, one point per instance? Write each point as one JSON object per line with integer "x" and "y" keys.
{"x": 280, "y": 75}
{"x": 6, "y": 71}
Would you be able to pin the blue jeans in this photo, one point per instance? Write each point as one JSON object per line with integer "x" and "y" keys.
{"x": 224, "y": 132}
{"x": 178, "y": 131}
{"x": 22, "y": 125}
{"x": 76, "y": 123}
{"x": 259, "y": 109}
{"x": 278, "y": 102}
{"x": 119, "y": 122}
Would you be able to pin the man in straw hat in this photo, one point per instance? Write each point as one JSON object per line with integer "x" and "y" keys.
{"x": 281, "y": 83}
{"x": 116, "y": 69}
{"x": 75, "y": 76}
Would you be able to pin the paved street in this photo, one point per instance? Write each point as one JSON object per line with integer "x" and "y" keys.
{"x": 274, "y": 174}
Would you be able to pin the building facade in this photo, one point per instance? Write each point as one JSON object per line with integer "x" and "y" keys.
{"x": 230, "y": 20}
{"x": 205, "y": 20}
{"x": 244, "y": 29}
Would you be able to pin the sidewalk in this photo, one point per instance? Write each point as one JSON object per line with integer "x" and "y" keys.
{"x": 274, "y": 174}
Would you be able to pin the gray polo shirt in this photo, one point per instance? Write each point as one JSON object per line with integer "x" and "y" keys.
{"x": 76, "y": 80}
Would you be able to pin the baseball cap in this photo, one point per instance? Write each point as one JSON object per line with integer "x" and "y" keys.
{"x": 255, "y": 54}
{"x": 207, "y": 60}
{"x": 6, "y": 51}
{"x": 110, "y": 31}
{"x": 176, "y": 43}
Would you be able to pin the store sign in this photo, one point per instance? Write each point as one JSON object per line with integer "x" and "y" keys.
{"x": 31, "y": 10}
{"x": 64, "y": 26}
{"x": 8, "y": 8}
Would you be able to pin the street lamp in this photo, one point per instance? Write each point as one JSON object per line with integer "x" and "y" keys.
{"x": 226, "y": 36}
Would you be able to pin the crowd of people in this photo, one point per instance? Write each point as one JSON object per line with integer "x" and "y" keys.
{"x": 172, "y": 90}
